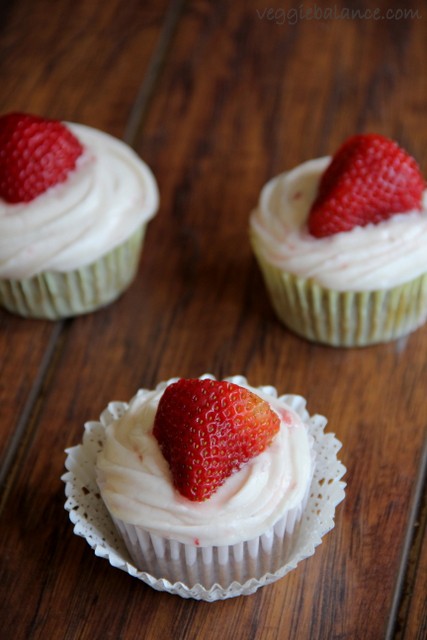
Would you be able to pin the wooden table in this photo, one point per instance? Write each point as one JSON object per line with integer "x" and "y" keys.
{"x": 217, "y": 97}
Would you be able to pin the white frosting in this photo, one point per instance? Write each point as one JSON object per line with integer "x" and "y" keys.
{"x": 136, "y": 484}
{"x": 103, "y": 201}
{"x": 364, "y": 259}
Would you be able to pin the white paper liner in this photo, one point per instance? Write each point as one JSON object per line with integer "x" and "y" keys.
{"x": 270, "y": 562}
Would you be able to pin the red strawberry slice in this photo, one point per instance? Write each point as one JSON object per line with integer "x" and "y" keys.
{"x": 207, "y": 429}
{"x": 369, "y": 179}
{"x": 35, "y": 154}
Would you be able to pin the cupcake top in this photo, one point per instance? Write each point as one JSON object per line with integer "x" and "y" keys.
{"x": 361, "y": 255}
{"x": 138, "y": 487}
{"x": 102, "y": 201}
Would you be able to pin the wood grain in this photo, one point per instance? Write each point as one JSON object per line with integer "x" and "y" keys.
{"x": 411, "y": 618}
{"x": 237, "y": 99}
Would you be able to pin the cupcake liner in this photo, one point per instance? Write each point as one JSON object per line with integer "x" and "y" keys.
{"x": 213, "y": 573}
{"x": 54, "y": 295}
{"x": 210, "y": 565}
{"x": 344, "y": 318}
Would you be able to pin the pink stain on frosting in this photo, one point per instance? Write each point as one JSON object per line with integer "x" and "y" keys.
{"x": 285, "y": 416}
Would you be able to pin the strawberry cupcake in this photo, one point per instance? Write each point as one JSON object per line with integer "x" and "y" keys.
{"x": 74, "y": 205}
{"x": 341, "y": 244}
{"x": 215, "y": 488}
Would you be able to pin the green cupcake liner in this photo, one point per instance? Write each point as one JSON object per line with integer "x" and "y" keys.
{"x": 53, "y": 295}
{"x": 344, "y": 318}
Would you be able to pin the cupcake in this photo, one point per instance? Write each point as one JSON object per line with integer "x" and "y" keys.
{"x": 215, "y": 488}
{"x": 74, "y": 205}
{"x": 341, "y": 244}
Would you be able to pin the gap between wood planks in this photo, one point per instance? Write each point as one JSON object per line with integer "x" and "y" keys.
{"x": 411, "y": 553}
{"x": 26, "y": 425}
{"x": 23, "y": 434}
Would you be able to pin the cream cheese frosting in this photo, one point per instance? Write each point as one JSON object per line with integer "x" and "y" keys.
{"x": 103, "y": 201}
{"x": 136, "y": 484}
{"x": 363, "y": 259}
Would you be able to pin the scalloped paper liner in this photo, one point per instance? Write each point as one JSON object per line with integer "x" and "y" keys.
{"x": 54, "y": 295}
{"x": 344, "y": 318}
{"x": 92, "y": 521}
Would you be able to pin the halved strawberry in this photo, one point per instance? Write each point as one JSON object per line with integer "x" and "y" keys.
{"x": 369, "y": 179}
{"x": 35, "y": 154}
{"x": 207, "y": 429}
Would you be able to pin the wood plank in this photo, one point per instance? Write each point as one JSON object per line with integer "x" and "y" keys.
{"x": 411, "y": 620}
{"x": 81, "y": 61}
{"x": 415, "y": 625}
{"x": 53, "y": 67}
{"x": 23, "y": 362}
{"x": 240, "y": 99}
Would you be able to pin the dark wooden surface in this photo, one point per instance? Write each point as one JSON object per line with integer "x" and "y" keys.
{"x": 217, "y": 97}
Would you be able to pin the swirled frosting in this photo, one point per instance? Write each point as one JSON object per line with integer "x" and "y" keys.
{"x": 363, "y": 259}
{"x": 136, "y": 484}
{"x": 103, "y": 201}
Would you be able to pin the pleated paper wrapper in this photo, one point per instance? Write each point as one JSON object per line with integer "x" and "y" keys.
{"x": 53, "y": 295}
{"x": 343, "y": 318}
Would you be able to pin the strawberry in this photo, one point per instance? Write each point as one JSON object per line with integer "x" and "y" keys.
{"x": 207, "y": 429}
{"x": 35, "y": 154}
{"x": 369, "y": 179}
